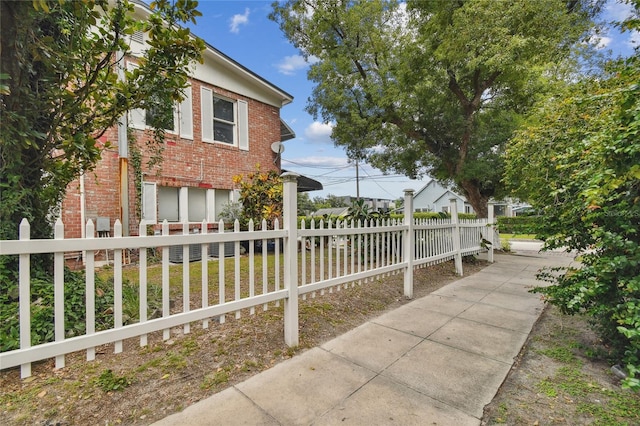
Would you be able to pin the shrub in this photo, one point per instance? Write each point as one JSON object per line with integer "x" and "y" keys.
{"x": 42, "y": 308}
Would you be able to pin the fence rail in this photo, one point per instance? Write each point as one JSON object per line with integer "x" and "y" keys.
{"x": 287, "y": 263}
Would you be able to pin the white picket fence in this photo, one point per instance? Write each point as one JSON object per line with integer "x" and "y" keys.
{"x": 304, "y": 262}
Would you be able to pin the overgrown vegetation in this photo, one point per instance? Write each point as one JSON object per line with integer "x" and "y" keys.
{"x": 562, "y": 377}
{"x": 64, "y": 85}
{"x": 578, "y": 160}
{"x": 42, "y": 307}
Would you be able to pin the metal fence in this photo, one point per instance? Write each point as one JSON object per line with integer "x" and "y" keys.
{"x": 279, "y": 265}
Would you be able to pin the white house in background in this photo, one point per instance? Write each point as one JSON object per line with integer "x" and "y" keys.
{"x": 434, "y": 197}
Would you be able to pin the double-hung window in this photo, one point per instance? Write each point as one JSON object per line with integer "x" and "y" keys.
{"x": 175, "y": 118}
{"x": 224, "y": 120}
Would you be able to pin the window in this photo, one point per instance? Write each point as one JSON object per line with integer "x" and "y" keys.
{"x": 161, "y": 116}
{"x": 175, "y": 204}
{"x": 197, "y": 204}
{"x": 224, "y": 120}
{"x": 222, "y": 198}
{"x": 168, "y": 204}
{"x": 174, "y": 118}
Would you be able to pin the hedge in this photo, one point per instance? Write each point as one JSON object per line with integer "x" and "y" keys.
{"x": 518, "y": 224}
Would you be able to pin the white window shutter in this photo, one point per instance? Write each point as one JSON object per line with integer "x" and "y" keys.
{"x": 149, "y": 214}
{"x": 243, "y": 125}
{"x": 206, "y": 109}
{"x": 186, "y": 115}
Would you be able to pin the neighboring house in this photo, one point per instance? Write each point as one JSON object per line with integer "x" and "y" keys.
{"x": 434, "y": 197}
{"x": 377, "y": 204}
{"x": 333, "y": 212}
{"x": 228, "y": 123}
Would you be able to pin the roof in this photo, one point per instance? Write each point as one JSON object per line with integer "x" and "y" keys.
{"x": 306, "y": 184}
{"x": 227, "y": 61}
{"x": 335, "y": 211}
{"x": 286, "y": 132}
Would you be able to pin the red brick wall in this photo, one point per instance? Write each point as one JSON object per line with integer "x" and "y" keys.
{"x": 185, "y": 163}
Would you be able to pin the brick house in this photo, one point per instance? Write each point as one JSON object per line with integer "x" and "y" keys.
{"x": 228, "y": 123}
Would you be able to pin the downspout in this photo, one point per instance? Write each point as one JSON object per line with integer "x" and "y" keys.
{"x": 123, "y": 158}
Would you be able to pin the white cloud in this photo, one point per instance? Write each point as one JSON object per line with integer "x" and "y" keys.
{"x": 634, "y": 39}
{"x": 318, "y": 132}
{"x": 600, "y": 42}
{"x": 617, "y": 11}
{"x": 237, "y": 20}
{"x": 319, "y": 161}
{"x": 290, "y": 64}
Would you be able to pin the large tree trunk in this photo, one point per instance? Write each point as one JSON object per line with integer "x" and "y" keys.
{"x": 476, "y": 198}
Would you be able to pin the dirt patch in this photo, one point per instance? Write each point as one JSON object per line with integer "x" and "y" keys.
{"x": 562, "y": 377}
{"x": 144, "y": 384}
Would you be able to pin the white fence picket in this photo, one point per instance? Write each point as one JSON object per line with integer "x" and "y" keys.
{"x": 332, "y": 254}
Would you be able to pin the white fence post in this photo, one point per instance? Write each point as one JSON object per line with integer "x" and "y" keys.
{"x": 90, "y": 281}
{"x": 490, "y": 231}
{"x": 456, "y": 235}
{"x": 409, "y": 243}
{"x": 142, "y": 273}
{"x": 117, "y": 285}
{"x": 290, "y": 219}
{"x": 58, "y": 292}
{"x": 166, "y": 333}
{"x": 24, "y": 295}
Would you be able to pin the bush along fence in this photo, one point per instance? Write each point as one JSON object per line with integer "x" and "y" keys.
{"x": 156, "y": 294}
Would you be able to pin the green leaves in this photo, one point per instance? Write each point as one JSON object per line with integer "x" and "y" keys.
{"x": 434, "y": 88}
{"x": 578, "y": 159}
{"x": 61, "y": 91}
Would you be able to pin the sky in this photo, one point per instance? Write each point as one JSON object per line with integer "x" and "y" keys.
{"x": 241, "y": 30}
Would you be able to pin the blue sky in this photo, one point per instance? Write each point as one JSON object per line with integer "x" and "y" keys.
{"x": 241, "y": 30}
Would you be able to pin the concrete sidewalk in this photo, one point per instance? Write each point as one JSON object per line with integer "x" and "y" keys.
{"x": 436, "y": 360}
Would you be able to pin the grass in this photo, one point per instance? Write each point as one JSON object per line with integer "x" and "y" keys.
{"x": 517, "y": 236}
{"x": 573, "y": 387}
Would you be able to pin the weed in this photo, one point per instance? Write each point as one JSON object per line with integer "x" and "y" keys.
{"x": 547, "y": 387}
{"x": 107, "y": 381}
{"x": 173, "y": 362}
{"x": 502, "y": 413}
{"x": 251, "y": 365}
{"x": 560, "y": 353}
{"x": 218, "y": 378}
{"x": 189, "y": 346}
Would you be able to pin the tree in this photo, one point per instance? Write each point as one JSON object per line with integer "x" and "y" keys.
{"x": 329, "y": 202}
{"x": 437, "y": 90}
{"x": 577, "y": 159}
{"x": 305, "y": 205}
{"x": 63, "y": 86}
